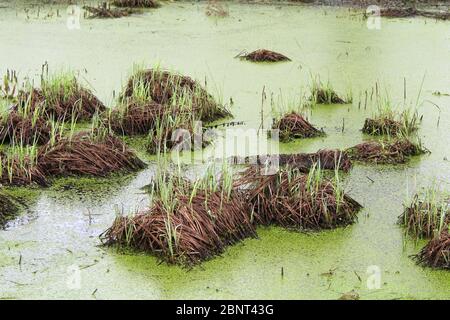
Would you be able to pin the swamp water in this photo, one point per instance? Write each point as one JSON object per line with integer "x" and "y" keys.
{"x": 52, "y": 250}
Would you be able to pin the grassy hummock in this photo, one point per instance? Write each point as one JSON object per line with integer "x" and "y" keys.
{"x": 177, "y": 92}
{"x": 295, "y": 200}
{"x": 87, "y": 153}
{"x": 60, "y": 98}
{"x": 426, "y": 214}
{"x": 436, "y": 254}
{"x": 393, "y": 151}
{"x": 294, "y": 126}
{"x": 188, "y": 222}
{"x": 263, "y": 55}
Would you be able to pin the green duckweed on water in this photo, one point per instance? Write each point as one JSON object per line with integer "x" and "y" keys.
{"x": 57, "y": 234}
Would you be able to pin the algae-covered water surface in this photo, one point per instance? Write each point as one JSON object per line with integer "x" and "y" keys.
{"x": 51, "y": 247}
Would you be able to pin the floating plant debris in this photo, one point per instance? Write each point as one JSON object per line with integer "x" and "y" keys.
{"x": 8, "y": 208}
{"x": 295, "y": 200}
{"x": 104, "y": 11}
{"x": 427, "y": 217}
{"x": 263, "y": 55}
{"x": 174, "y": 90}
{"x": 385, "y": 152}
{"x": 87, "y": 154}
{"x": 325, "y": 159}
{"x": 60, "y": 98}
{"x": 436, "y": 254}
{"x": 294, "y": 126}
{"x": 136, "y": 3}
{"x": 187, "y": 223}
{"x": 24, "y": 129}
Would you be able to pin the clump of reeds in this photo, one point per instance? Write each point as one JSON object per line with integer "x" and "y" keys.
{"x": 87, "y": 153}
{"x": 293, "y": 126}
{"x": 394, "y": 151}
{"x": 133, "y": 118}
{"x": 388, "y": 122}
{"x": 7, "y": 208}
{"x": 19, "y": 166}
{"x": 176, "y": 91}
{"x": 24, "y": 128}
{"x": 136, "y": 3}
{"x": 188, "y": 222}
{"x": 60, "y": 97}
{"x": 296, "y": 200}
{"x": 9, "y": 86}
{"x": 436, "y": 253}
{"x": 104, "y": 11}
{"x": 426, "y": 215}
{"x": 324, "y": 94}
{"x": 263, "y": 55}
